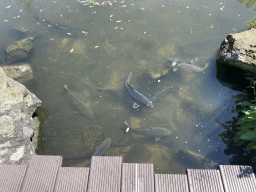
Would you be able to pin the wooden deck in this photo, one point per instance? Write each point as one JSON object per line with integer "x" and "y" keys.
{"x": 109, "y": 174}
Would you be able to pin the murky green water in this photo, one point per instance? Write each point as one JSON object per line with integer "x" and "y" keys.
{"x": 104, "y": 45}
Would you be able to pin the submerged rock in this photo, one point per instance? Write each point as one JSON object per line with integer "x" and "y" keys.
{"x": 157, "y": 71}
{"x": 239, "y": 50}
{"x": 19, "y": 50}
{"x": 17, "y": 127}
{"x": 20, "y": 72}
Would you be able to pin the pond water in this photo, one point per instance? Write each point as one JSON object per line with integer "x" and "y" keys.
{"x": 98, "y": 46}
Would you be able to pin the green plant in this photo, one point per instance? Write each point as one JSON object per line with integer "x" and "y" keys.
{"x": 252, "y": 23}
{"x": 240, "y": 132}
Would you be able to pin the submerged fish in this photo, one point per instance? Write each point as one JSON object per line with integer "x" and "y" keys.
{"x": 81, "y": 107}
{"x": 156, "y": 132}
{"x": 178, "y": 64}
{"x": 102, "y": 148}
{"x": 137, "y": 95}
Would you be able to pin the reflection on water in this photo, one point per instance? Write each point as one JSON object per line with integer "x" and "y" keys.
{"x": 95, "y": 48}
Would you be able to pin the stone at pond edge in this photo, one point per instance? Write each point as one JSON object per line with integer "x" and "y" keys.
{"x": 239, "y": 50}
{"x": 20, "y": 72}
{"x": 19, "y": 50}
{"x": 17, "y": 127}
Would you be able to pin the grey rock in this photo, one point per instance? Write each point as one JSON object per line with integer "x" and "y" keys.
{"x": 19, "y": 50}
{"x": 21, "y": 72}
{"x": 17, "y": 127}
{"x": 239, "y": 50}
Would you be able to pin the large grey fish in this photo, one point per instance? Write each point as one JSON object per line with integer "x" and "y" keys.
{"x": 81, "y": 107}
{"x": 185, "y": 66}
{"x": 102, "y": 148}
{"x": 156, "y": 132}
{"x": 137, "y": 95}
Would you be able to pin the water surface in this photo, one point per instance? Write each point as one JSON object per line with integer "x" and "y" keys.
{"x": 97, "y": 47}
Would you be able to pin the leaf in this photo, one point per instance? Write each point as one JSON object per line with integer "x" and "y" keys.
{"x": 249, "y": 136}
{"x": 250, "y": 146}
{"x": 248, "y": 124}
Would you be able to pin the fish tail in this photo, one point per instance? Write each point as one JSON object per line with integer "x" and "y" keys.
{"x": 128, "y": 79}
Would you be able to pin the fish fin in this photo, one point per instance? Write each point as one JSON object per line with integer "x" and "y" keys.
{"x": 157, "y": 139}
{"x": 126, "y": 124}
{"x": 206, "y": 65}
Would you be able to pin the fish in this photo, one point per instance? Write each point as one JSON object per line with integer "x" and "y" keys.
{"x": 57, "y": 27}
{"x": 80, "y": 106}
{"x": 177, "y": 64}
{"x": 156, "y": 132}
{"x": 137, "y": 95}
{"x": 114, "y": 94}
{"x": 102, "y": 148}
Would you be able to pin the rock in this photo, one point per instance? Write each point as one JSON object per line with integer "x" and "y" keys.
{"x": 157, "y": 71}
{"x": 20, "y": 72}
{"x": 20, "y": 26}
{"x": 17, "y": 127}
{"x": 239, "y": 50}
{"x": 20, "y": 50}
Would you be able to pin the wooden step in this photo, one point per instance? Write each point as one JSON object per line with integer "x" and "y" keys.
{"x": 41, "y": 173}
{"x": 11, "y": 177}
{"x": 137, "y": 177}
{"x": 171, "y": 183}
{"x": 105, "y": 174}
{"x": 238, "y": 178}
{"x": 72, "y": 179}
{"x": 204, "y": 180}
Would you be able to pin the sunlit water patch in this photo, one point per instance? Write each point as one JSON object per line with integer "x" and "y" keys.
{"x": 89, "y": 47}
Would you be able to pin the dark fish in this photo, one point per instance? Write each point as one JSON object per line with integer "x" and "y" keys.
{"x": 57, "y": 27}
{"x": 81, "y": 107}
{"x": 137, "y": 95}
{"x": 102, "y": 148}
{"x": 156, "y": 132}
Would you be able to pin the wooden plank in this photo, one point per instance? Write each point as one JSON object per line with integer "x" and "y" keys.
{"x": 171, "y": 183}
{"x": 105, "y": 174}
{"x": 204, "y": 180}
{"x": 137, "y": 177}
{"x": 72, "y": 179}
{"x": 41, "y": 173}
{"x": 11, "y": 177}
{"x": 238, "y": 178}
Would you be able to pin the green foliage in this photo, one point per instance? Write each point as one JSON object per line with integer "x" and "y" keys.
{"x": 252, "y": 23}
{"x": 240, "y": 134}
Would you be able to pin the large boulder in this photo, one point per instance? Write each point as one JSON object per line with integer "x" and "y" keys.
{"x": 239, "y": 50}
{"x": 17, "y": 127}
{"x": 19, "y": 50}
{"x": 21, "y": 72}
